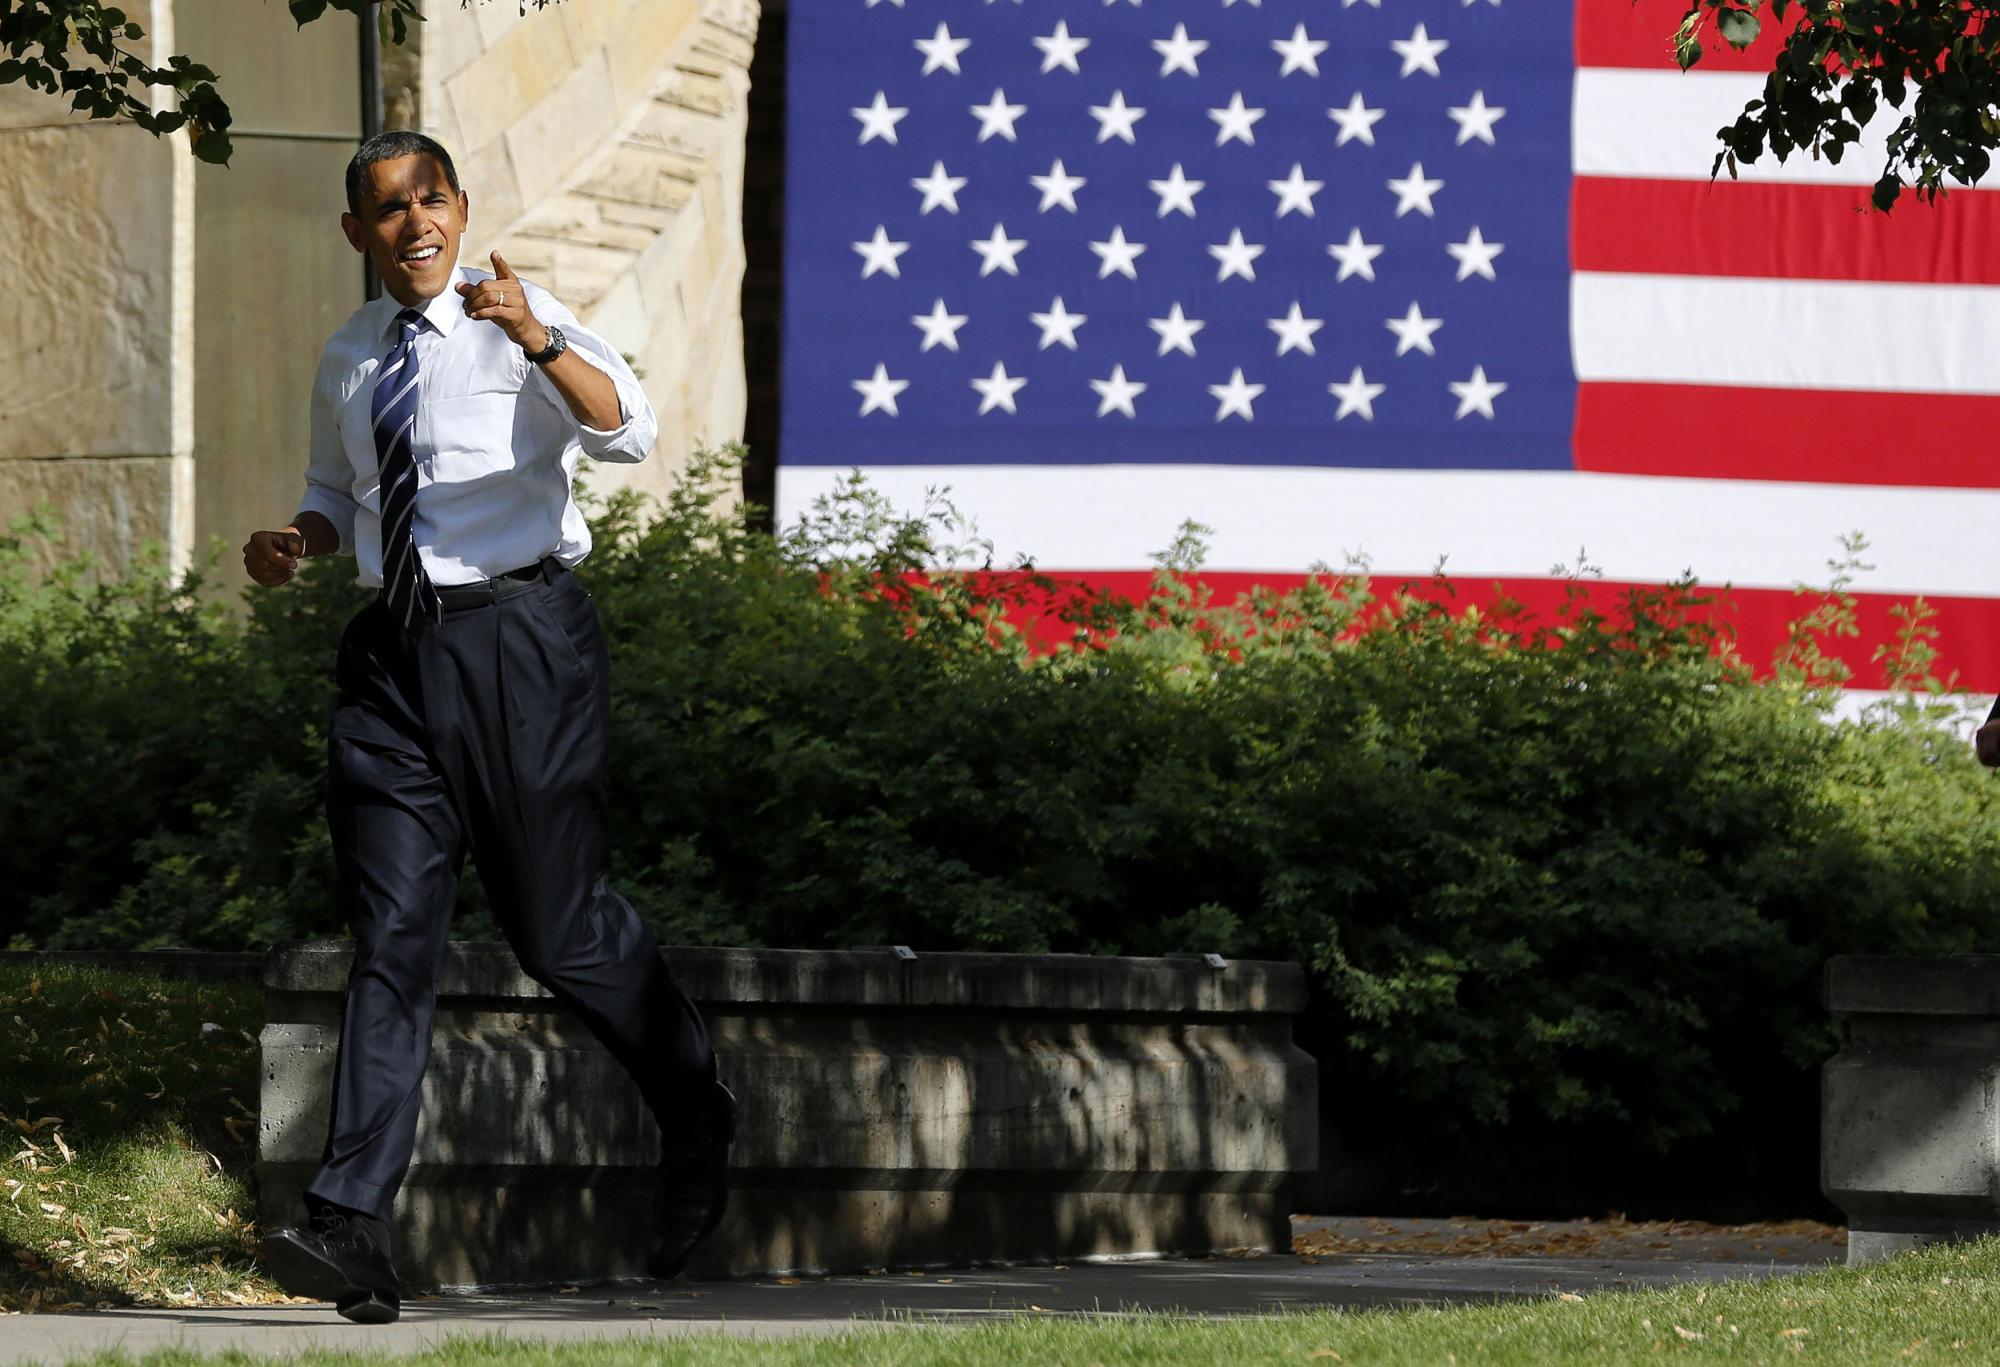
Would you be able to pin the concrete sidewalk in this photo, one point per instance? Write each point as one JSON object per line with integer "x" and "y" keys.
{"x": 1476, "y": 1261}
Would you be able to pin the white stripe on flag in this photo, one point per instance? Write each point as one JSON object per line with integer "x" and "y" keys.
{"x": 1786, "y": 334}
{"x": 1661, "y": 125}
{"x": 1491, "y": 524}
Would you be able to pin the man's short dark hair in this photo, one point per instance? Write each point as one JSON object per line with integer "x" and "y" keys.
{"x": 387, "y": 146}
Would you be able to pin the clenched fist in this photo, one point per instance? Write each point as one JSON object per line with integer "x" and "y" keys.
{"x": 503, "y": 301}
{"x": 271, "y": 558}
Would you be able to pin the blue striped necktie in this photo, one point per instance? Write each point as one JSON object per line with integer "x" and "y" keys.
{"x": 404, "y": 580}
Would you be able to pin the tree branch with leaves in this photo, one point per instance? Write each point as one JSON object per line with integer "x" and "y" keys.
{"x": 1840, "y": 61}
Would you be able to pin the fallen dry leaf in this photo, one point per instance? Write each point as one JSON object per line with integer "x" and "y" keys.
{"x": 1691, "y": 1335}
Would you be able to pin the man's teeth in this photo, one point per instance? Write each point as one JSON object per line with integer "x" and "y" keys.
{"x": 422, "y": 254}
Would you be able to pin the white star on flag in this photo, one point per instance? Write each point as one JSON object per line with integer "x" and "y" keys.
{"x": 1058, "y": 187}
{"x": 998, "y": 389}
{"x": 1115, "y": 120}
{"x": 879, "y": 391}
{"x": 997, "y": 116}
{"x": 1176, "y": 331}
{"x": 1295, "y": 330}
{"x": 1176, "y": 192}
{"x": 1117, "y": 392}
{"x": 1356, "y": 396}
{"x": 1296, "y": 192}
{"x": 1117, "y": 255}
{"x": 997, "y": 251}
{"x": 1357, "y": 121}
{"x": 1413, "y": 331}
{"x": 1419, "y": 52}
{"x": 1475, "y": 255}
{"x": 1235, "y": 256}
{"x": 1059, "y": 49}
{"x": 1058, "y": 325}
{"x": 878, "y": 253}
{"x": 1477, "y": 394}
{"x": 878, "y": 119}
{"x": 1235, "y": 396}
{"x": 1476, "y": 120}
{"x": 1234, "y": 121}
{"x": 939, "y": 188}
{"x": 940, "y": 326}
{"x": 941, "y": 50}
{"x": 1414, "y": 192}
{"x": 1178, "y": 53}
{"x": 1355, "y": 256}
{"x": 1300, "y": 52}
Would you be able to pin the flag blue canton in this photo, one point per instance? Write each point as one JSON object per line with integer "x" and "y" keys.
{"x": 1276, "y": 233}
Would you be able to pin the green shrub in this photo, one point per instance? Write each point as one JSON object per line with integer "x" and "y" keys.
{"x": 1574, "y": 872}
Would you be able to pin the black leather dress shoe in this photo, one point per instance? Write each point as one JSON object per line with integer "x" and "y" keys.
{"x": 691, "y": 1194}
{"x": 336, "y": 1260}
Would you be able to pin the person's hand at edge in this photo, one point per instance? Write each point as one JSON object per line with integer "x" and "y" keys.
{"x": 1986, "y": 740}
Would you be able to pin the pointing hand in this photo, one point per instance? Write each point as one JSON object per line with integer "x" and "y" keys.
{"x": 503, "y": 301}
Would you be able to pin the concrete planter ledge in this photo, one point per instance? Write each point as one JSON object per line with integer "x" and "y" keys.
{"x": 1910, "y": 1109}
{"x": 946, "y": 1109}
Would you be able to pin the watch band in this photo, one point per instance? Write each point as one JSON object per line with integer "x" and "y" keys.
{"x": 558, "y": 344}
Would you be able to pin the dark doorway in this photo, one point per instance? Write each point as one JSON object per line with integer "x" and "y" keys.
{"x": 764, "y": 253}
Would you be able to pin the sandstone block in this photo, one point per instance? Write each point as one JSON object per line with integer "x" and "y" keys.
{"x": 1909, "y": 1124}
{"x": 952, "y": 1109}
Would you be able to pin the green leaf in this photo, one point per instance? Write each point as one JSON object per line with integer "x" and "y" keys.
{"x": 10, "y": 71}
{"x": 1738, "y": 27}
{"x": 213, "y": 147}
{"x": 305, "y": 11}
{"x": 1883, "y": 196}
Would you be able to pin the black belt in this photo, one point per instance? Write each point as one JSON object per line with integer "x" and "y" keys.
{"x": 460, "y": 597}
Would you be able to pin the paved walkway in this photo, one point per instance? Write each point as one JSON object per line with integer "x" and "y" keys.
{"x": 1346, "y": 1262}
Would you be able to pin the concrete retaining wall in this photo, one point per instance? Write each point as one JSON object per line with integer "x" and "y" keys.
{"x": 951, "y": 1109}
{"x": 1910, "y": 1109}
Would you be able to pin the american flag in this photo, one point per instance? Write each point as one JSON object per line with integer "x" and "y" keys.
{"x": 1419, "y": 279}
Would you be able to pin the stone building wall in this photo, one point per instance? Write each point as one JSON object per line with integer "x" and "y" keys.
{"x": 95, "y": 415}
{"x": 156, "y": 390}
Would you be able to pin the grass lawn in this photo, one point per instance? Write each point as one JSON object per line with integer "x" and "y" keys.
{"x": 1941, "y": 1305}
{"x": 131, "y": 1140}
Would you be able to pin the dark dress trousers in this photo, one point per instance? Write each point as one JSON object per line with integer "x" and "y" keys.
{"x": 487, "y": 733}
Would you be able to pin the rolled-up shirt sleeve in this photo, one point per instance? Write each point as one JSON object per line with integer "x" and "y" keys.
{"x": 633, "y": 438}
{"x": 329, "y": 474}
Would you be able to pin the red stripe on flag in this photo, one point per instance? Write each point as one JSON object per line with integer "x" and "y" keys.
{"x": 1622, "y": 33}
{"x": 1817, "y": 436}
{"x": 1968, "y": 628}
{"x": 1815, "y": 232}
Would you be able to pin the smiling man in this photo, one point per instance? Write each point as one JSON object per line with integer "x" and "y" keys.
{"x": 473, "y": 707}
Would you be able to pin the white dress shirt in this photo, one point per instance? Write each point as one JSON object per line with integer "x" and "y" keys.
{"x": 495, "y": 444}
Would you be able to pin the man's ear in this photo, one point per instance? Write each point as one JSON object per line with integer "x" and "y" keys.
{"x": 464, "y": 211}
{"x": 351, "y": 225}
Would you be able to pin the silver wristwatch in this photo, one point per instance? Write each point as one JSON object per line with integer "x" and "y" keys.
{"x": 558, "y": 344}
